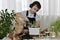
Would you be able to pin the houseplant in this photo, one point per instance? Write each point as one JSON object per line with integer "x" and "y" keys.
{"x": 30, "y": 25}
{"x": 6, "y": 19}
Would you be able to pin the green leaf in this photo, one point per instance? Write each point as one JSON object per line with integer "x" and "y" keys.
{"x": 6, "y": 22}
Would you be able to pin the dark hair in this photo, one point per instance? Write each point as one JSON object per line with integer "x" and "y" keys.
{"x": 35, "y": 3}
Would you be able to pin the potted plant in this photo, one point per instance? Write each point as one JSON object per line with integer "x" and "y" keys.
{"x": 33, "y": 29}
{"x": 6, "y": 19}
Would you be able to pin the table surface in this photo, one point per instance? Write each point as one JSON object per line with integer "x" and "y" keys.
{"x": 44, "y": 39}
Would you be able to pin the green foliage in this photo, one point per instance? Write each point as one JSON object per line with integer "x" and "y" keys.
{"x": 6, "y": 19}
{"x": 33, "y": 25}
{"x": 56, "y": 25}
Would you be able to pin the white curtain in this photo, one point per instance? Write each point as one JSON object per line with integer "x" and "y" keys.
{"x": 54, "y": 7}
{"x": 0, "y": 4}
{"x": 49, "y": 12}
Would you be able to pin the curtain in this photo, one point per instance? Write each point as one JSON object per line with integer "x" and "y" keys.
{"x": 50, "y": 9}
{"x": 0, "y": 4}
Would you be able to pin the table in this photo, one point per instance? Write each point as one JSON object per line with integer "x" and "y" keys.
{"x": 45, "y": 38}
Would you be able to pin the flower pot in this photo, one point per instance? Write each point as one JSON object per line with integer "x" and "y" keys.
{"x": 34, "y": 31}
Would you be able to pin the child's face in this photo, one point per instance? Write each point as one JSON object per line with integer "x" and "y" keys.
{"x": 34, "y": 9}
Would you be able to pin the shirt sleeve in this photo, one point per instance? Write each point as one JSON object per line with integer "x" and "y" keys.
{"x": 37, "y": 18}
{"x": 22, "y": 12}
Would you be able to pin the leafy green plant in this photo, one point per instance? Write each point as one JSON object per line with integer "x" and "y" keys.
{"x": 6, "y": 19}
{"x": 56, "y": 25}
{"x": 33, "y": 25}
